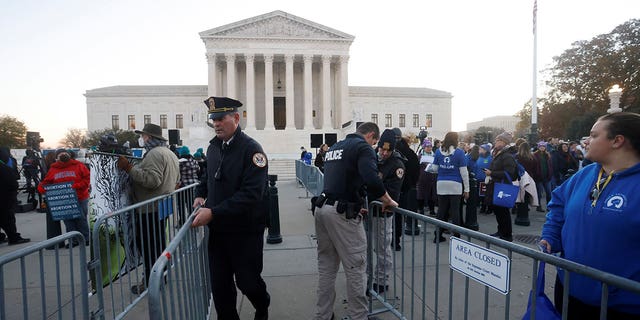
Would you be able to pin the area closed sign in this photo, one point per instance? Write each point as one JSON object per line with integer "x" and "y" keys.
{"x": 481, "y": 264}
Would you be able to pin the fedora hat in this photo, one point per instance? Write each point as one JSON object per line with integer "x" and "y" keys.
{"x": 153, "y": 130}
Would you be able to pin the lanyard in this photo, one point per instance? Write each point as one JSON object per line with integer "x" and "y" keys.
{"x": 597, "y": 190}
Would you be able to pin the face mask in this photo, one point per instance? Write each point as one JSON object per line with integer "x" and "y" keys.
{"x": 141, "y": 142}
{"x": 65, "y": 157}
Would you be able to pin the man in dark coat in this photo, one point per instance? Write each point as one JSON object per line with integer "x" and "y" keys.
{"x": 233, "y": 186}
{"x": 8, "y": 200}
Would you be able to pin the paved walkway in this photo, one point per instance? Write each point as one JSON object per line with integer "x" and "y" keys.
{"x": 290, "y": 268}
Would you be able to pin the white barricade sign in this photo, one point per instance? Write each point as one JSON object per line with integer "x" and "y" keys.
{"x": 481, "y": 264}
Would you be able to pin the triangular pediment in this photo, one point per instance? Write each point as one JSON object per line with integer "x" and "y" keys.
{"x": 276, "y": 24}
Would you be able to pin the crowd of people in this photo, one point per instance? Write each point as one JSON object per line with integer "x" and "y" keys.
{"x": 591, "y": 212}
{"x": 453, "y": 174}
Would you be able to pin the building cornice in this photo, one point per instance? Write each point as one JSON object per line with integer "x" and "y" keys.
{"x": 397, "y": 92}
{"x": 148, "y": 91}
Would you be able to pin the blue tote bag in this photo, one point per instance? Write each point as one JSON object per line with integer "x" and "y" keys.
{"x": 544, "y": 307}
{"x": 505, "y": 194}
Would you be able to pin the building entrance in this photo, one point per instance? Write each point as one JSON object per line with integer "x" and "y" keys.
{"x": 279, "y": 112}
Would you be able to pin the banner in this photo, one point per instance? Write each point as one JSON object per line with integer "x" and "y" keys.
{"x": 111, "y": 191}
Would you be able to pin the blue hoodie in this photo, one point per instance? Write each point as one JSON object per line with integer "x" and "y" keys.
{"x": 605, "y": 237}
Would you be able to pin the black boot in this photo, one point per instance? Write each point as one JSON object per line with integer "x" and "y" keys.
{"x": 438, "y": 237}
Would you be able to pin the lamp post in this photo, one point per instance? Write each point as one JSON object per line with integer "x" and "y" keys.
{"x": 614, "y": 99}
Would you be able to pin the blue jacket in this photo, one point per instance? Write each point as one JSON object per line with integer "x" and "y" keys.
{"x": 482, "y": 163}
{"x": 604, "y": 237}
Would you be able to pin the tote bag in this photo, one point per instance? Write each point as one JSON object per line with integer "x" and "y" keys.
{"x": 544, "y": 307}
{"x": 505, "y": 194}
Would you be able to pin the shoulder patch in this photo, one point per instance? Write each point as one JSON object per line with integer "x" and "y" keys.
{"x": 399, "y": 173}
{"x": 259, "y": 159}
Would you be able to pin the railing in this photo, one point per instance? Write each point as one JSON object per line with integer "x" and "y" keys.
{"x": 310, "y": 177}
{"x": 47, "y": 285}
{"x": 420, "y": 289}
{"x": 179, "y": 287}
{"x": 122, "y": 239}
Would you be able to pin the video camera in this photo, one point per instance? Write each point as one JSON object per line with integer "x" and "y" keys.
{"x": 33, "y": 140}
{"x": 109, "y": 144}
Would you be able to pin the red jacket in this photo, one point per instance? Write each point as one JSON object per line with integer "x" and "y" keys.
{"x": 71, "y": 170}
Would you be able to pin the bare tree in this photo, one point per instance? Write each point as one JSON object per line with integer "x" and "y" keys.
{"x": 75, "y": 138}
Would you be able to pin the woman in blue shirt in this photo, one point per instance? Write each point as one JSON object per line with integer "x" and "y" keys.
{"x": 453, "y": 180}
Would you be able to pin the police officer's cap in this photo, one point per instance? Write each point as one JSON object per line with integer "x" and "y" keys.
{"x": 218, "y": 107}
{"x": 387, "y": 140}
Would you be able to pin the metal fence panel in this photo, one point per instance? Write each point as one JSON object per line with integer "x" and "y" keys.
{"x": 122, "y": 239}
{"x": 50, "y": 284}
{"x": 310, "y": 177}
{"x": 179, "y": 287}
{"x": 423, "y": 285}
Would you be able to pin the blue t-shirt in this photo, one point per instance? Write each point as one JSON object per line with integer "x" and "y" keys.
{"x": 449, "y": 166}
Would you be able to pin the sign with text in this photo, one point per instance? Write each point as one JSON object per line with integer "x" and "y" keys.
{"x": 491, "y": 268}
{"x": 62, "y": 201}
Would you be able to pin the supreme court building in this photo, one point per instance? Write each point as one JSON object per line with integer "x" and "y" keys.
{"x": 291, "y": 74}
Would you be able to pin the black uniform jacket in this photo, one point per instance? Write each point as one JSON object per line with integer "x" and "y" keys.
{"x": 348, "y": 165}
{"x": 236, "y": 195}
{"x": 392, "y": 172}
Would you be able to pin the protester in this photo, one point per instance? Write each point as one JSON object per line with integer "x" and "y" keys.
{"x": 453, "y": 181}
{"x": 319, "y": 162}
{"x": 303, "y": 153}
{"x": 233, "y": 186}
{"x": 8, "y": 201}
{"x": 471, "y": 207}
{"x": 408, "y": 195}
{"x": 503, "y": 162}
{"x": 202, "y": 162}
{"x": 66, "y": 169}
{"x": 157, "y": 174}
{"x": 593, "y": 220}
{"x": 189, "y": 167}
{"x": 349, "y": 165}
{"x": 564, "y": 163}
{"x": 483, "y": 162}
{"x": 426, "y": 194}
{"x": 543, "y": 175}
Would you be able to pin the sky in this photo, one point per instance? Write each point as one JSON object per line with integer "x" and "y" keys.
{"x": 52, "y": 52}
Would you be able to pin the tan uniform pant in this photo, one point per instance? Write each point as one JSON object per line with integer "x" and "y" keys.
{"x": 383, "y": 231}
{"x": 341, "y": 240}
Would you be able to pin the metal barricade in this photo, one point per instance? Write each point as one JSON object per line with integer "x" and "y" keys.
{"x": 126, "y": 244}
{"x": 419, "y": 286}
{"x": 179, "y": 287}
{"x": 310, "y": 177}
{"x": 52, "y": 284}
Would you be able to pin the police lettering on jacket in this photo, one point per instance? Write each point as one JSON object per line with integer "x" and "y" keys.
{"x": 350, "y": 164}
{"x": 333, "y": 155}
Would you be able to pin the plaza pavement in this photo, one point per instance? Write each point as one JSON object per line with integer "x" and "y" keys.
{"x": 290, "y": 267}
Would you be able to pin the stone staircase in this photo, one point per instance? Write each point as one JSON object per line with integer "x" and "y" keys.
{"x": 284, "y": 168}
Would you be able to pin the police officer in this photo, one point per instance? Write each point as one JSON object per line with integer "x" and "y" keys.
{"x": 233, "y": 186}
{"x": 350, "y": 164}
{"x": 391, "y": 171}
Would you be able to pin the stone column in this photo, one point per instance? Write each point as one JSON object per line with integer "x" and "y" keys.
{"x": 326, "y": 92}
{"x": 308, "y": 91}
{"x": 212, "y": 88}
{"x": 251, "y": 94}
{"x": 290, "y": 97}
{"x": 345, "y": 110}
{"x": 268, "y": 92}
{"x": 231, "y": 75}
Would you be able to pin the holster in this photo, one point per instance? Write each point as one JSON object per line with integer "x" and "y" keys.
{"x": 320, "y": 200}
{"x": 350, "y": 209}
